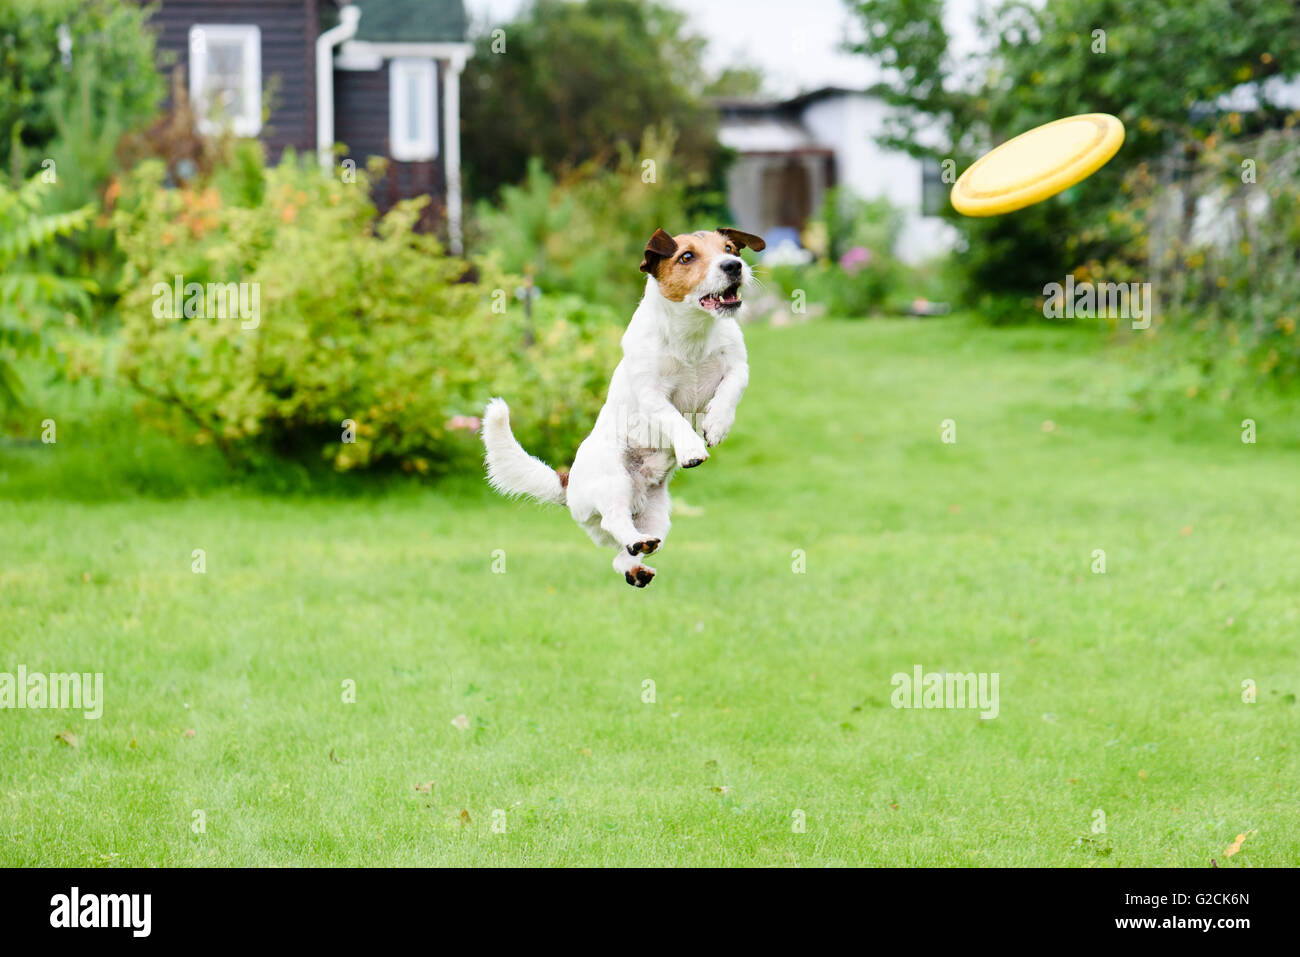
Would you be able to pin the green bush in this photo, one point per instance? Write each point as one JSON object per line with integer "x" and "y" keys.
{"x": 855, "y": 274}
{"x": 585, "y": 232}
{"x": 361, "y": 341}
{"x": 33, "y": 300}
{"x": 1218, "y": 244}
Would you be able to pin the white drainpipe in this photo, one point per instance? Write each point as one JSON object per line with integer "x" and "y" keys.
{"x": 349, "y": 16}
{"x": 451, "y": 149}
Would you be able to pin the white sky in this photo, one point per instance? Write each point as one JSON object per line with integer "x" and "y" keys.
{"x": 795, "y": 42}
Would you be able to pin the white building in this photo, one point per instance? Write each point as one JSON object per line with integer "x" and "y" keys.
{"x": 792, "y": 151}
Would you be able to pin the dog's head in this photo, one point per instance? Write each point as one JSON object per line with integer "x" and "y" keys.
{"x": 702, "y": 268}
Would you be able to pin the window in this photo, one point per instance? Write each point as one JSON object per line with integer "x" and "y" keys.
{"x": 412, "y": 109}
{"x": 934, "y": 194}
{"x": 226, "y": 78}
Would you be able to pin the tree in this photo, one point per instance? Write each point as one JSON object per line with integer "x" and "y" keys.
{"x": 571, "y": 82}
{"x": 47, "y": 47}
{"x": 1150, "y": 62}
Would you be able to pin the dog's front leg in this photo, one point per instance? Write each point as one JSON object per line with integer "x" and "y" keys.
{"x": 720, "y": 413}
{"x": 670, "y": 427}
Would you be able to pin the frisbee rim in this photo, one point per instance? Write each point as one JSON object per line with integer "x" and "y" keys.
{"x": 992, "y": 203}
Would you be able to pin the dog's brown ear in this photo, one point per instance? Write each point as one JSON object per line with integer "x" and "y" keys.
{"x": 743, "y": 239}
{"x": 659, "y": 248}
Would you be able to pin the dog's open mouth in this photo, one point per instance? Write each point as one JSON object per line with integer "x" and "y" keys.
{"x": 726, "y": 300}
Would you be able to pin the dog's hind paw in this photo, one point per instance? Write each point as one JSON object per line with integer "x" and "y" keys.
{"x": 640, "y": 576}
{"x": 643, "y": 547}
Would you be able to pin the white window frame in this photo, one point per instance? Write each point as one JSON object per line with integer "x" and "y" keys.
{"x": 248, "y": 121}
{"x": 424, "y": 146}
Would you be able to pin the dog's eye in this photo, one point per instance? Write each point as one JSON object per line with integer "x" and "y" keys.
{"x": 686, "y": 257}
{"x": 731, "y": 248}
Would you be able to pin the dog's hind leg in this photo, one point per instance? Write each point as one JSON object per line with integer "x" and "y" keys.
{"x": 654, "y": 521}
{"x": 614, "y": 502}
{"x": 633, "y": 572}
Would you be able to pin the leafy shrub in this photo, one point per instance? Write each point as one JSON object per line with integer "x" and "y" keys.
{"x": 32, "y": 298}
{"x": 585, "y": 231}
{"x": 855, "y": 273}
{"x": 1215, "y": 231}
{"x": 580, "y": 343}
{"x": 367, "y": 344}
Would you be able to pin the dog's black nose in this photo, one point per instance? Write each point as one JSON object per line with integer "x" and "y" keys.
{"x": 732, "y": 268}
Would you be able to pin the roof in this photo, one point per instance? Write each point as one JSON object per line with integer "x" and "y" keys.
{"x": 772, "y": 126}
{"x": 405, "y": 21}
{"x": 793, "y": 105}
{"x": 764, "y": 134}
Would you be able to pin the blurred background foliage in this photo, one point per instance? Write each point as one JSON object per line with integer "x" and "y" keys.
{"x": 570, "y": 84}
{"x": 1164, "y": 69}
{"x": 590, "y": 128}
{"x": 374, "y": 324}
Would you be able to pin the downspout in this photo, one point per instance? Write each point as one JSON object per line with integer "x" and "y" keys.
{"x": 451, "y": 150}
{"x": 349, "y": 16}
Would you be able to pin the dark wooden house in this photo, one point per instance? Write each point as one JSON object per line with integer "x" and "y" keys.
{"x": 381, "y": 77}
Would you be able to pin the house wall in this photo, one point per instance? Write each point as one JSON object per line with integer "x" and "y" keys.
{"x": 849, "y": 124}
{"x": 753, "y": 207}
{"x": 361, "y": 124}
{"x": 289, "y": 30}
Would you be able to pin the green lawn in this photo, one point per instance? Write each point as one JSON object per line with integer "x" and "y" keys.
{"x": 1119, "y": 692}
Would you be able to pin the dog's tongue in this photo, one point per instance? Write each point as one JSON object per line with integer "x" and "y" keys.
{"x": 709, "y": 302}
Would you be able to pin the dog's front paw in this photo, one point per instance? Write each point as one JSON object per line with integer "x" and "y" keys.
{"x": 691, "y": 454}
{"x": 717, "y": 425}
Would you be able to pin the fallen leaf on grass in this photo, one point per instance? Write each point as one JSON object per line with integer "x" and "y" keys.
{"x": 68, "y": 738}
{"x": 334, "y": 757}
{"x": 461, "y": 722}
{"x": 426, "y": 788}
{"x": 1235, "y": 846}
{"x": 188, "y": 733}
{"x": 721, "y": 789}
{"x": 464, "y": 817}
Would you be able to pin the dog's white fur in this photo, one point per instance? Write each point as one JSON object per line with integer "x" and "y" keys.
{"x": 682, "y": 363}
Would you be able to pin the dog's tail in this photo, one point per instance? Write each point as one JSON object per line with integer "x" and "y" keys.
{"x": 510, "y": 469}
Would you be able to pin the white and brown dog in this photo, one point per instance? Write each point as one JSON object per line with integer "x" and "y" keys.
{"x": 683, "y": 362}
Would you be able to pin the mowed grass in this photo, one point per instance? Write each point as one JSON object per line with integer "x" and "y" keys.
{"x": 1121, "y": 694}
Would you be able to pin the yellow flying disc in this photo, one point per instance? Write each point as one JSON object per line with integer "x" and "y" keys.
{"x": 1038, "y": 164}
